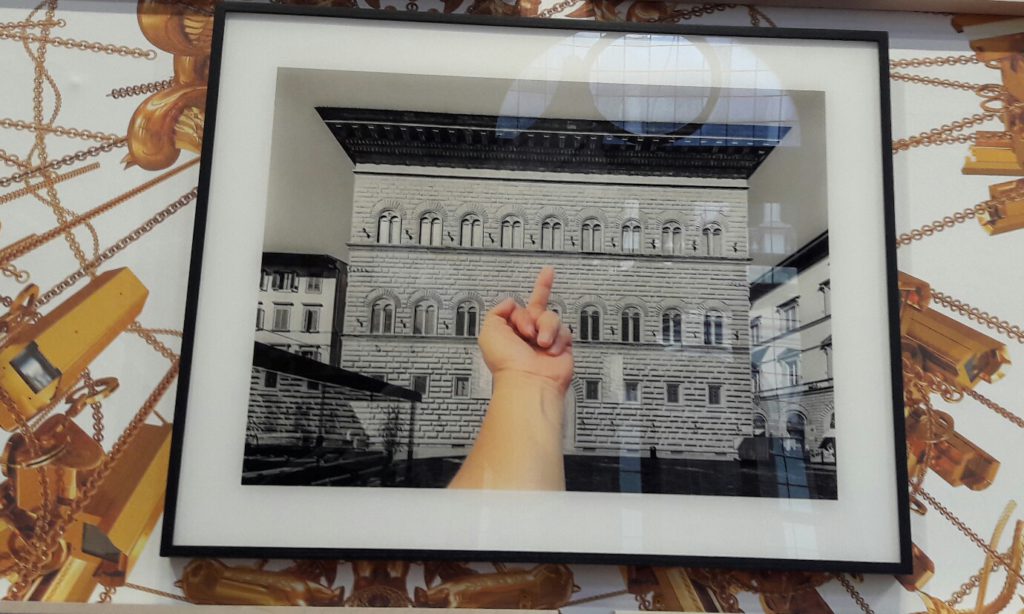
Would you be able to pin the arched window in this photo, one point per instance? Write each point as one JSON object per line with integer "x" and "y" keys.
{"x": 382, "y": 317}
{"x": 512, "y": 233}
{"x": 430, "y": 229}
{"x": 551, "y": 234}
{"x": 424, "y": 319}
{"x": 592, "y": 239}
{"x": 389, "y": 228}
{"x": 714, "y": 328}
{"x": 760, "y": 426}
{"x": 672, "y": 326}
{"x": 796, "y": 424}
{"x": 590, "y": 324}
{"x": 472, "y": 232}
{"x": 631, "y": 325}
{"x": 631, "y": 237}
{"x": 712, "y": 238}
{"x": 672, "y": 239}
{"x": 466, "y": 318}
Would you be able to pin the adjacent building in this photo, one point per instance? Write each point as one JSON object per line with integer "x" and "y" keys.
{"x": 791, "y": 358}
{"x": 301, "y": 305}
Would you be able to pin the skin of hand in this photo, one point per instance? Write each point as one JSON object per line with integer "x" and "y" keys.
{"x": 529, "y": 341}
{"x": 529, "y": 353}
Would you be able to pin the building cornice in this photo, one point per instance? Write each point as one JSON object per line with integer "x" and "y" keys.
{"x": 587, "y": 146}
{"x": 681, "y": 184}
{"x": 526, "y": 253}
{"x": 301, "y": 261}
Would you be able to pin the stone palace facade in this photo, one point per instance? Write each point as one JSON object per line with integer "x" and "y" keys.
{"x": 651, "y": 275}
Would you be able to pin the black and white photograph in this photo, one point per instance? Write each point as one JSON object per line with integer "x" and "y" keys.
{"x": 671, "y": 242}
{"x": 607, "y": 292}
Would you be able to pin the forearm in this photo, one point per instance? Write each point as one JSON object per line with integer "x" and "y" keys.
{"x": 519, "y": 446}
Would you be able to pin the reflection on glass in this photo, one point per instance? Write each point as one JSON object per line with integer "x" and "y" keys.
{"x": 35, "y": 370}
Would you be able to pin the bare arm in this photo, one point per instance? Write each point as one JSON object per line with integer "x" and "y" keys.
{"x": 529, "y": 353}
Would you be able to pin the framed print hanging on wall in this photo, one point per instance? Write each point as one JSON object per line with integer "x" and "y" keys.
{"x": 541, "y": 290}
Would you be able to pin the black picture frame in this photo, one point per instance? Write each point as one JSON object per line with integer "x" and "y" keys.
{"x": 170, "y": 548}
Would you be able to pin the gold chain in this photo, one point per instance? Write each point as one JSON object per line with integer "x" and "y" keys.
{"x": 697, "y": 11}
{"x": 929, "y": 136}
{"x": 11, "y": 160}
{"x": 97, "y": 408}
{"x": 172, "y": 332}
{"x": 950, "y": 221}
{"x": 39, "y": 551}
{"x": 74, "y": 133}
{"x": 159, "y": 593}
{"x": 561, "y": 6}
{"x": 41, "y": 75}
{"x": 153, "y": 342}
{"x": 996, "y": 407}
{"x": 44, "y": 413}
{"x": 970, "y": 534}
{"x": 50, "y": 534}
{"x": 982, "y": 317}
{"x": 71, "y": 43}
{"x": 122, "y": 243}
{"x": 948, "y": 83}
{"x": 107, "y": 595}
{"x": 913, "y": 378}
{"x": 143, "y": 88}
{"x": 952, "y": 139}
{"x": 673, "y": 17}
{"x": 19, "y": 275}
{"x": 78, "y": 156}
{"x": 756, "y": 15}
{"x": 60, "y": 23}
{"x": 32, "y": 242}
{"x": 29, "y": 189}
{"x": 40, "y": 548}
{"x": 704, "y": 9}
{"x": 965, "y": 589}
{"x": 854, "y": 593}
{"x": 951, "y": 393}
{"x": 949, "y": 60}
{"x": 557, "y": 8}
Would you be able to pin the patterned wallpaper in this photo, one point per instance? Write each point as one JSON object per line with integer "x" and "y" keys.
{"x": 101, "y": 119}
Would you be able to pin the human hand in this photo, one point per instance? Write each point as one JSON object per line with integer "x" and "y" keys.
{"x": 529, "y": 341}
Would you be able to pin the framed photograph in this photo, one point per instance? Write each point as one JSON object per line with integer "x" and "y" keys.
{"x": 541, "y": 290}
